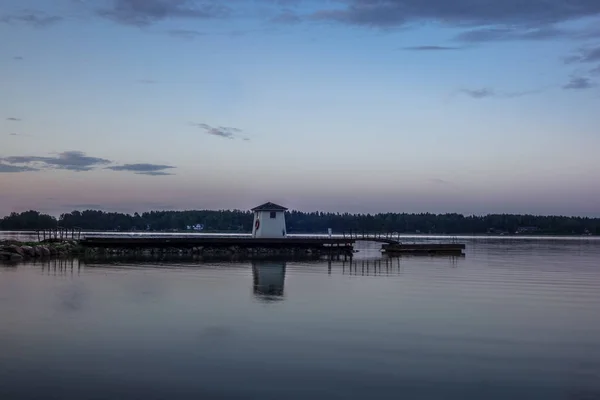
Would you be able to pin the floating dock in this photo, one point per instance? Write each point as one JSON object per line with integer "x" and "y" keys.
{"x": 423, "y": 248}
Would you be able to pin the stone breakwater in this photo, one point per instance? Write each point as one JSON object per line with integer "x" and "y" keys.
{"x": 18, "y": 251}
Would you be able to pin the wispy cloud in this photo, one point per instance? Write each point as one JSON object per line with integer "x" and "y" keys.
{"x": 595, "y": 71}
{"x": 287, "y": 17}
{"x": 14, "y": 119}
{"x": 579, "y": 83}
{"x": 439, "y": 181}
{"x": 18, "y": 58}
{"x": 146, "y": 12}
{"x": 69, "y": 160}
{"x": 8, "y": 168}
{"x": 32, "y": 18}
{"x": 585, "y": 55}
{"x": 431, "y": 48}
{"x": 77, "y": 161}
{"x": 221, "y": 131}
{"x": 147, "y": 81}
{"x": 19, "y": 134}
{"x": 479, "y": 93}
{"x": 144, "y": 169}
{"x": 187, "y": 34}
{"x": 389, "y": 13}
{"x": 484, "y": 93}
{"x": 506, "y": 34}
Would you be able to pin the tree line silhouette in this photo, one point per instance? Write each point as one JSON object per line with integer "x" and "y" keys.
{"x": 307, "y": 222}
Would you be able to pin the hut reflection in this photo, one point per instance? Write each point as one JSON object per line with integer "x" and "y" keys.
{"x": 268, "y": 279}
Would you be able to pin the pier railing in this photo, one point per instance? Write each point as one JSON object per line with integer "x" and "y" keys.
{"x": 58, "y": 234}
{"x": 390, "y": 237}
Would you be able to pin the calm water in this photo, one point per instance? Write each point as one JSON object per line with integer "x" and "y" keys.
{"x": 511, "y": 320}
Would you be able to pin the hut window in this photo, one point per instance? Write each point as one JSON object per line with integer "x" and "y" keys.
{"x": 273, "y": 215}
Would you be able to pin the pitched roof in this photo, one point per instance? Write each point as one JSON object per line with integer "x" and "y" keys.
{"x": 269, "y": 207}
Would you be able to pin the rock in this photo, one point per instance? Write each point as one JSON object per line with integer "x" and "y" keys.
{"x": 53, "y": 251}
{"x": 38, "y": 251}
{"x": 16, "y": 257}
{"x": 45, "y": 251}
{"x": 14, "y": 249}
{"x": 5, "y": 255}
{"x": 28, "y": 251}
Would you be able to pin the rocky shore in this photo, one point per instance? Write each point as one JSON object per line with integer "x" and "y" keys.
{"x": 14, "y": 251}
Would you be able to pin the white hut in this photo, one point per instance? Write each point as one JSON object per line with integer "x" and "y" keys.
{"x": 269, "y": 221}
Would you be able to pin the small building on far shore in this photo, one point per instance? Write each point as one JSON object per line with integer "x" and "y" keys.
{"x": 269, "y": 221}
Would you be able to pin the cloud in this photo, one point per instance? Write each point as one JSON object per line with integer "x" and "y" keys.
{"x": 19, "y": 134}
{"x": 595, "y": 71}
{"x": 13, "y": 119}
{"x": 221, "y": 131}
{"x": 287, "y": 17}
{"x": 147, "y": 12}
{"x": 479, "y": 93}
{"x": 7, "y": 168}
{"x": 504, "y": 34}
{"x": 187, "y": 34}
{"x": 68, "y": 160}
{"x": 484, "y": 93}
{"x": 585, "y": 55}
{"x": 146, "y": 81}
{"x": 439, "y": 181}
{"x": 144, "y": 169}
{"x": 154, "y": 173}
{"x": 579, "y": 83}
{"x": 18, "y": 58}
{"x": 77, "y": 161}
{"x": 431, "y": 48}
{"x": 390, "y": 13}
{"x": 33, "y": 18}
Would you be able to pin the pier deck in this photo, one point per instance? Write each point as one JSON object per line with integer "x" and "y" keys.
{"x": 221, "y": 241}
{"x": 248, "y": 243}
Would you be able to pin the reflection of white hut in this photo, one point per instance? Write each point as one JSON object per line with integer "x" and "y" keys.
{"x": 269, "y": 221}
{"x": 269, "y": 278}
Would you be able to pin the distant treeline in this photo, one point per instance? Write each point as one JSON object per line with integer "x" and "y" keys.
{"x": 302, "y": 222}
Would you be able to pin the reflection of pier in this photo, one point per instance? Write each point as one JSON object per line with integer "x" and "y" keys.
{"x": 382, "y": 267}
{"x": 268, "y": 278}
{"x": 60, "y": 266}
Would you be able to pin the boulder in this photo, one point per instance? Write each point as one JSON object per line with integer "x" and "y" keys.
{"x": 13, "y": 248}
{"x": 5, "y": 255}
{"x": 45, "y": 251}
{"x": 38, "y": 251}
{"x": 28, "y": 251}
{"x": 16, "y": 257}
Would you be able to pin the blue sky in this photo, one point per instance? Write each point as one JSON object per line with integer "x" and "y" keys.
{"x": 351, "y": 105}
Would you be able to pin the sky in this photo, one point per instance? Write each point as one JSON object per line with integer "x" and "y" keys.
{"x": 366, "y": 106}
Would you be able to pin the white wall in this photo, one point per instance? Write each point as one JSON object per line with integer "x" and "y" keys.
{"x": 269, "y": 227}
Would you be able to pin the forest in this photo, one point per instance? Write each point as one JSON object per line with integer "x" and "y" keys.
{"x": 307, "y": 222}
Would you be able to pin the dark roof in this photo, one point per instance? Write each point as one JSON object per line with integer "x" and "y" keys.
{"x": 269, "y": 207}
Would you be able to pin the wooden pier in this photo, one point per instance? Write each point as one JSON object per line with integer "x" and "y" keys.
{"x": 214, "y": 241}
{"x": 242, "y": 245}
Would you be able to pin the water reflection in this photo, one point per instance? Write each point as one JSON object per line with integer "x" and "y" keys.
{"x": 268, "y": 279}
{"x": 59, "y": 266}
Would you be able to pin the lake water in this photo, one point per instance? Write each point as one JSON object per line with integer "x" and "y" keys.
{"x": 513, "y": 319}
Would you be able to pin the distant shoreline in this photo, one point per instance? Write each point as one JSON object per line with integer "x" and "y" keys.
{"x": 241, "y": 222}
